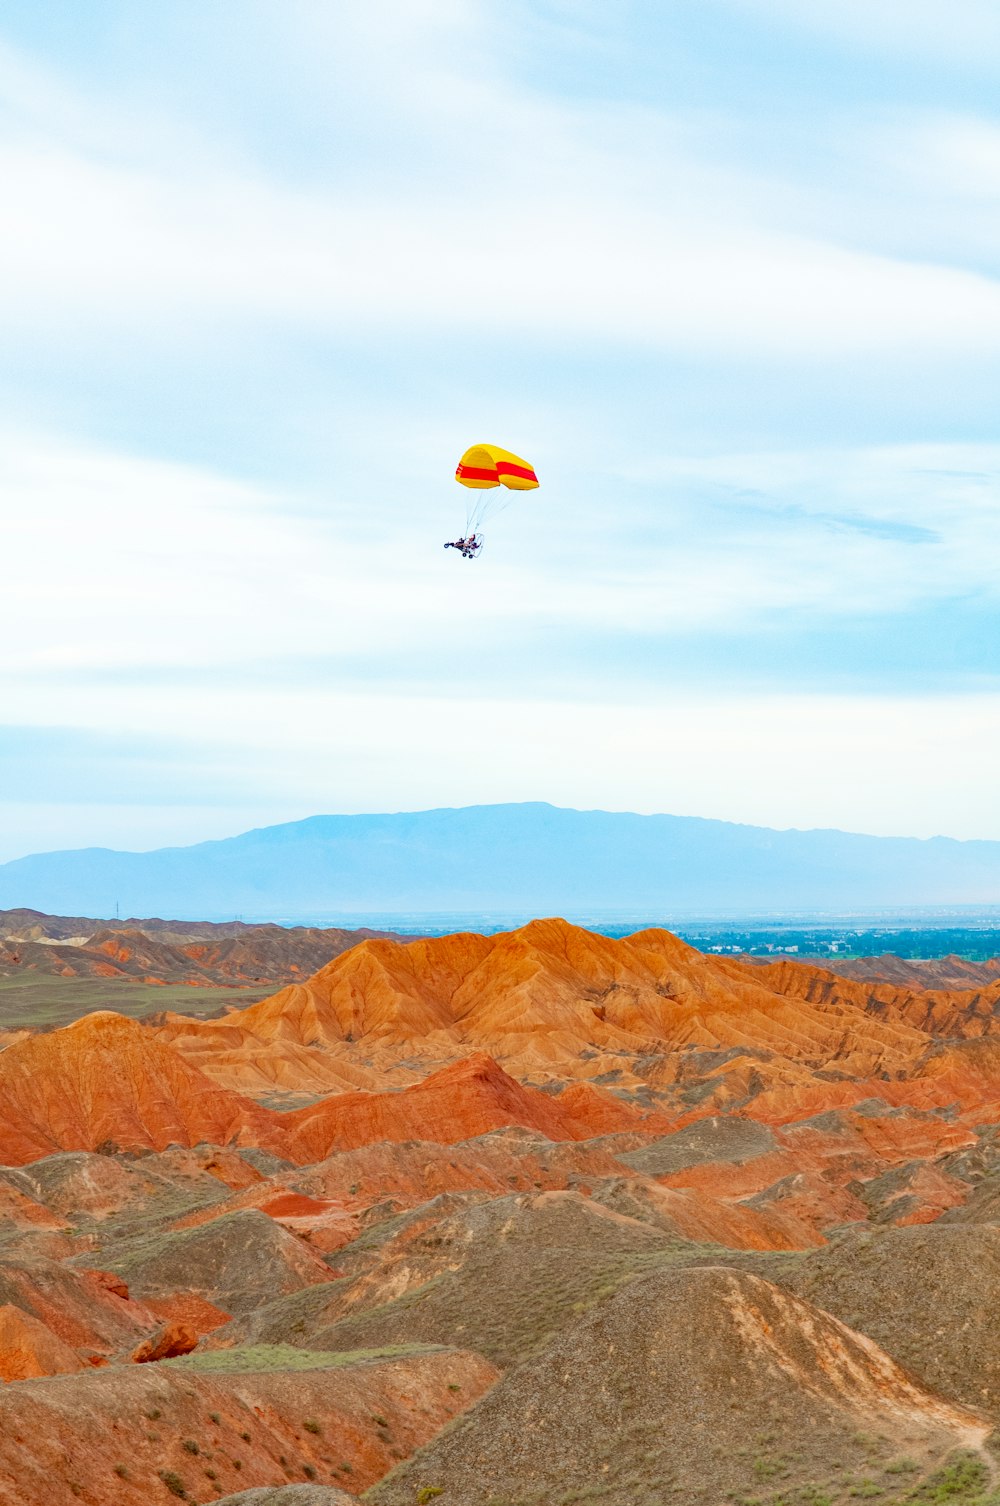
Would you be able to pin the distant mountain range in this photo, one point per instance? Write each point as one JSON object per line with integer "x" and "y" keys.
{"x": 528, "y": 859}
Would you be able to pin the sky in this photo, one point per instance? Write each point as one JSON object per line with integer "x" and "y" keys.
{"x": 725, "y": 273}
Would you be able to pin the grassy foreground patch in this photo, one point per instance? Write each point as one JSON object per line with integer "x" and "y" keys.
{"x": 40, "y": 1001}
{"x": 258, "y": 1357}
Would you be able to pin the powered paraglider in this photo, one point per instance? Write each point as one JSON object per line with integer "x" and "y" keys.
{"x": 491, "y": 475}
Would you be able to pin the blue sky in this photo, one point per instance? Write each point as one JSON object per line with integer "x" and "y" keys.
{"x": 725, "y": 272}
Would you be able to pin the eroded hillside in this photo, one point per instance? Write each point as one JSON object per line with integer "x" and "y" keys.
{"x": 652, "y": 1225}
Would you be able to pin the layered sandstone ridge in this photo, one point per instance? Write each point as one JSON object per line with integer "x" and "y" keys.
{"x": 554, "y": 1001}
{"x": 108, "y": 1081}
{"x": 668, "y": 1034}
{"x": 201, "y": 953}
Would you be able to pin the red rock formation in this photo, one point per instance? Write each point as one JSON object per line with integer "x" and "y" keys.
{"x": 585, "y": 1111}
{"x": 552, "y": 999}
{"x": 82, "y": 1308}
{"x": 386, "y": 1175}
{"x": 111, "y": 1438}
{"x": 321, "y": 1222}
{"x": 780, "y": 1042}
{"x": 188, "y": 1309}
{"x": 172, "y": 1339}
{"x": 735, "y": 1225}
{"x": 109, "y": 1281}
{"x": 457, "y": 1103}
{"x": 964, "y": 1012}
{"x": 28, "y": 1348}
{"x": 19, "y": 1211}
{"x": 949, "y": 972}
{"x": 201, "y": 954}
{"x": 107, "y": 1081}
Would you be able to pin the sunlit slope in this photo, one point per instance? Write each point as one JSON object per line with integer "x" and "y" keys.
{"x": 552, "y": 998}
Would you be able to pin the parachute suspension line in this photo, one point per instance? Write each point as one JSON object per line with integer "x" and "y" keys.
{"x": 485, "y": 504}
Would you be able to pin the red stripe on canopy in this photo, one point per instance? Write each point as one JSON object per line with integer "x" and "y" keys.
{"x": 504, "y": 468}
{"x": 476, "y": 473}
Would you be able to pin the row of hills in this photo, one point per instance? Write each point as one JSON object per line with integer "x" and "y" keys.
{"x": 236, "y": 955}
{"x": 516, "y": 858}
{"x": 537, "y": 1217}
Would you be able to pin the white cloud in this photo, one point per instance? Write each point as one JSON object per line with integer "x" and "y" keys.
{"x": 157, "y": 565}
{"x": 447, "y": 199}
{"x": 887, "y": 528}
{"x": 129, "y": 562}
{"x": 507, "y": 216}
{"x": 946, "y": 157}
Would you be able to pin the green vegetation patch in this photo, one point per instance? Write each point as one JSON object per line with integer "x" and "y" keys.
{"x": 43, "y": 1001}
{"x": 964, "y": 1479}
{"x": 258, "y": 1357}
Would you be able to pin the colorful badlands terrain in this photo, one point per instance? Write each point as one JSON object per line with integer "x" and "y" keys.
{"x": 544, "y": 1217}
{"x": 53, "y": 968}
{"x": 202, "y": 954}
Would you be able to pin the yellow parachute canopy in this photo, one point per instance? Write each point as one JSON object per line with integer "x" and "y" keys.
{"x": 486, "y": 465}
